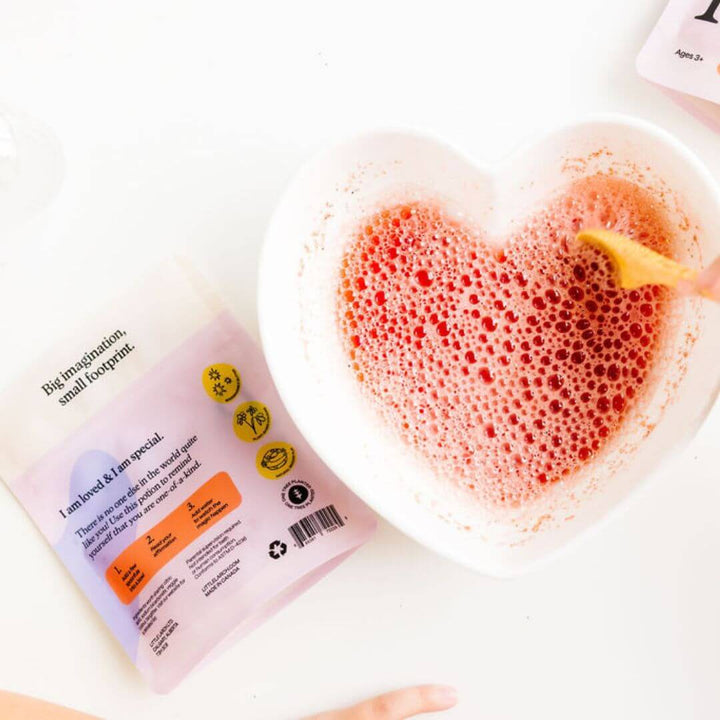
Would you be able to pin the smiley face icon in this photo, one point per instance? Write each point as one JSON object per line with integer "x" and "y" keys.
{"x": 221, "y": 382}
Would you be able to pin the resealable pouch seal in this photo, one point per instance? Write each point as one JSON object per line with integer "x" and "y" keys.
{"x": 683, "y": 56}
{"x": 153, "y": 452}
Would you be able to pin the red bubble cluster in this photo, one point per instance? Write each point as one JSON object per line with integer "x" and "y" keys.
{"x": 507, "y": 370}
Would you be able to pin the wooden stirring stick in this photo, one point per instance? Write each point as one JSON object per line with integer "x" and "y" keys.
{"x": 636, "y": 265}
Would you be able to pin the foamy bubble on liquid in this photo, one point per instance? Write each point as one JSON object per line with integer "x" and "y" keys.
{"x": 506, "y": 370}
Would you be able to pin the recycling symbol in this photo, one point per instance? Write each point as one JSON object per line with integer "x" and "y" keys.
{"x": 277, "y": 549}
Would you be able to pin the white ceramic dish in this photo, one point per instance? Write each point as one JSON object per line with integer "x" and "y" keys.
{"x": 297, "y": 296}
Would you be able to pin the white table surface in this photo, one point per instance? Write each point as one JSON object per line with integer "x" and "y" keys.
{"x": 181, "y": 121}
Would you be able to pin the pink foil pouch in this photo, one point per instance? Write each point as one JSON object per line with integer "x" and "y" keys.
{"x": 153, "y": 452}
{"x": 683, "y": 55}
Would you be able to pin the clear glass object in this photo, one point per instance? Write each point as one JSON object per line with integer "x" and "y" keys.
{"x": 31, "y": 172}
{"x": 8, "y": 155}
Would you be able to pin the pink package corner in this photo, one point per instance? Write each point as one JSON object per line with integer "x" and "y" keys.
{"x": 153, "y": 452}
{"x": 682, "y": 55}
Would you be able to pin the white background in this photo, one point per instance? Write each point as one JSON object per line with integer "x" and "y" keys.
{"x": 181, "y": 121}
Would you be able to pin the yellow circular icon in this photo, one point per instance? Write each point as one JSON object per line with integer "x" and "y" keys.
{"x": 221, "y": 382}
{"x": 275, "y": 460}
{"x": 251, "y": 421}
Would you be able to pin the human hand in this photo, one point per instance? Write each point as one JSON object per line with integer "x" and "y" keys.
{"x": 706, "y": 283}
{"x": 397, "y": 705}
{"x": 19, "y": 707}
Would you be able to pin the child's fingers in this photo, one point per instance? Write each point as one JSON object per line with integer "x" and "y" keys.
{"x": 398, "y": 705}
{"x": 19, "y": 707}
{"x": 405, "y": 703}
{"x": 708, "y": 281}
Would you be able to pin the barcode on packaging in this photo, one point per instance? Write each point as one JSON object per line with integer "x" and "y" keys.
{"x": 321, "y": 521}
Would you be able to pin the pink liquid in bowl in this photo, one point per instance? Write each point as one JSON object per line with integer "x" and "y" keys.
{"x": 506, "y": 367}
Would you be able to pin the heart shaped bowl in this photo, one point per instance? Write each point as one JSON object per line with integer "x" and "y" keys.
{"x": 298, "y": 300}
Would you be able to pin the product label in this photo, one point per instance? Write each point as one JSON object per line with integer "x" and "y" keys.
{"x": 130, "y": 571}
{"x": 683, "y": 51}
{"x": 164, "y": 470}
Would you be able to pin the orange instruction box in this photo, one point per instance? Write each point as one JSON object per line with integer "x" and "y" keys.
{"x": 135, "y": 566}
